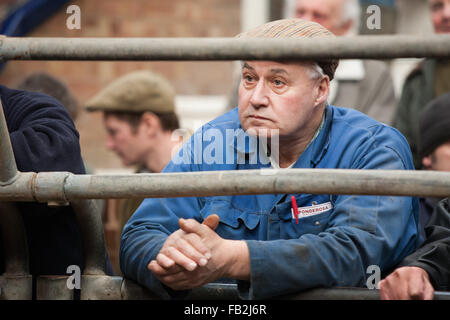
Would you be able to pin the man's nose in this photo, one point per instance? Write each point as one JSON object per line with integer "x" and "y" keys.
{"x": 109, "y": 143}
{"x": 259, "y": 96}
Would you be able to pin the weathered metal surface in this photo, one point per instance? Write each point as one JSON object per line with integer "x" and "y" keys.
{"x": 215, "y": 291}
{"x": 209, "y": 183}
{"x": 8, "y": 168}
{"x": 219, "y": 291}
{"x": 101, "y": 288}
{"x": 48, "y": 186}
{"x": 16, "y": 287}
{"x": 361, "y": 47}
{"x": 70, "y": 187}
{"x": 21, "y": 190}
{"x": 91, "y": 227}
{"x": 334, "y": 294}
{"x": 132, "y": 291}
{"x": 53, "y": 288}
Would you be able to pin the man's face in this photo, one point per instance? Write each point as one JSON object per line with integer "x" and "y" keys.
{"x": 130, "y": 144}
{"x": 328, "y": 13}
{"x": 440, "y": 14}
{"x": 280, "y": 96}
{"x": 439, "y": 159}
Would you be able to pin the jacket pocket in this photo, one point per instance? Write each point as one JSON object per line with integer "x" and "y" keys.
{"x": 317, "y": 211}
{"x": 234, "y": 222}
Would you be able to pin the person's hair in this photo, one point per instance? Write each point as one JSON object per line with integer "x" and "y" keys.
{"x": 351, "y": 11}
{"x": 315, "y": 71}
{"x": 169, "y": 121}
{"x": 45, "y": 83}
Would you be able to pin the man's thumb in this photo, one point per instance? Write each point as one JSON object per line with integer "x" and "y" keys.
{"x": 212, "y": 221}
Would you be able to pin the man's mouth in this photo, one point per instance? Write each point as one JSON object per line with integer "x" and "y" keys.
{"x": 258, "y": 117}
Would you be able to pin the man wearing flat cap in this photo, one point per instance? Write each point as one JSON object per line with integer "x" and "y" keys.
{"x": 176, "y": 244}
{"x": 139, "y": 117}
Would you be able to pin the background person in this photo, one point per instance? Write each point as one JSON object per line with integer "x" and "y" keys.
{"x": 427, "y": 269}
{"x": 430, "y": 79}
{"x": 139, "y": 118}
{"x": 44, "y": 138}
{"x": 434, "y": 146}
{"x": 365, "y": 85}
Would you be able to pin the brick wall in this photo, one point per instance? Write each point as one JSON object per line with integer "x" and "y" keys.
{"x": 134, "y": 18}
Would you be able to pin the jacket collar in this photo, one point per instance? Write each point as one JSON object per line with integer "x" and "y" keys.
{"x": 309, "y": 158}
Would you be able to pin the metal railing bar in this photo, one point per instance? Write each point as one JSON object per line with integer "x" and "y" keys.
{"x": 198, "y": 49}
{"x": 64, "y": 186}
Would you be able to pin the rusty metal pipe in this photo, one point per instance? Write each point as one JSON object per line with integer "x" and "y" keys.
{"x": 184, "y": 49}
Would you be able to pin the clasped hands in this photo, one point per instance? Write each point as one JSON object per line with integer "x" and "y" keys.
{"x": 194, "y": 255}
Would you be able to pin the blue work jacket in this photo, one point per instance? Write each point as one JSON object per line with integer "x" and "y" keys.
{"x": 337, "y": 237}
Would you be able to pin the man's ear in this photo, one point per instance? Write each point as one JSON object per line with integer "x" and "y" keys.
{"x": 427, "y": 162}
{"x": 323, "y": 90}
{"x": 150, "y": 123}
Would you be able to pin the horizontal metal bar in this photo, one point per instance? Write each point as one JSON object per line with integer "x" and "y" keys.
{"x": 163, "y": 49}
{"x": 118, "y": 288}
{"x": 50, "y": 186}
{"x": 220, "y": 291}
{"x": 16, "y": 287}
{"x": 53, "y": 288}
{"x": 210, "y": 183}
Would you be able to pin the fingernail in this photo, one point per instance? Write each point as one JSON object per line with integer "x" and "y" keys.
{"x": 203, "y": 262}
{"x": 192, "y": 266}
{"x": 208, "y": 255}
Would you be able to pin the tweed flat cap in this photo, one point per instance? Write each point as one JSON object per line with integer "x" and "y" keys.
{"x": 138, "y": 91}
{"x": 294, "y": 28}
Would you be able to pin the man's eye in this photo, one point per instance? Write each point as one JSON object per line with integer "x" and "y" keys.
{"x": 248, "y": 78}
{"x": 437, "y": 6}
{"x": 278, "y": 83}
{"x": 319, "y": 16}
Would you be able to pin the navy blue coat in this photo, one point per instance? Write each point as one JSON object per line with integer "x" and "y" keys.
{"x": 44, "y": 138}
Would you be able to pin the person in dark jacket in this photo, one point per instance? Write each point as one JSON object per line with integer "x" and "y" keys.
{"x": 430, "y": 79}
{"x": 434, "y": 147}
{"x": 44, "y": 138}
{"x": 427, "y": 269}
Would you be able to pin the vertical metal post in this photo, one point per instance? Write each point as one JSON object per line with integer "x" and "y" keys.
{"x": 14, "y": 240}
{"x": 91, "y": 226}
{"x": 16, "y": 282}
{"x": 8, "y": 168}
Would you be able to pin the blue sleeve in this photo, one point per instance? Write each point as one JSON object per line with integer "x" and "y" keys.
{"x": 362, "y": 231}
{"x": 147, "y": 230}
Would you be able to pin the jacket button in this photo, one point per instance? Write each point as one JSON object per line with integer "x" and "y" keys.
{"x": 317, "y": 223}
{"x": 314, "y": 203}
